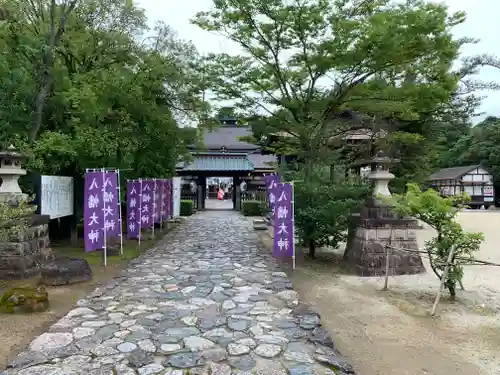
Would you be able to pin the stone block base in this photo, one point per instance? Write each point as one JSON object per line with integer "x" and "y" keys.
{"x": 66, "y": 270}
{"x": 366, "y": 253}
{"x": 259, "y": 224}
{"x": 21, "y": 258}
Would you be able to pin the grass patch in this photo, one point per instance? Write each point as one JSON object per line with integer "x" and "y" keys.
{"x": 94, "y": 258}
{"x": 131, "y": 250}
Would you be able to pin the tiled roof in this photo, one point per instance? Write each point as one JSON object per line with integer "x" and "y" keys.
{"x": 452, "y": 173}
{"x": 262, "y": 161}
{"x": 220, "y": 163}
{"x": 227, "y": 136}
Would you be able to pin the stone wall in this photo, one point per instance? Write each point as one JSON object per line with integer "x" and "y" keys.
{"x": 369, "y": 234}
{"x": 21, "y": 258}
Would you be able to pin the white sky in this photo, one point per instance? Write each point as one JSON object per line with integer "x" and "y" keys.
{"x": 482, "y": 23}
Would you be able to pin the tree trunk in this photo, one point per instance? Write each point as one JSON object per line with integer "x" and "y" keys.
{"x": 46, "y": 76}
{"x": 451, "y": 288}
{"x": 39, "y": 105}
{"x": 312, "y": 249}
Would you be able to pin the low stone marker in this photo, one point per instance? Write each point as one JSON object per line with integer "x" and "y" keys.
{"x": 259, "y": 224}
{"x": 62, "y": 271}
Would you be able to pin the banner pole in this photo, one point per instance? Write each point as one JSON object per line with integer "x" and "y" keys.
{"x": 161, "y": 202}
{"x": 105, "y": 251}
{"x": 120, "y": 211}
{"x": 154, "y": 206}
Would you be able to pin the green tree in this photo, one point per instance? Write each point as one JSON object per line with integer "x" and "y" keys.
{"x": 302, "y": 62}
{"x": 119, "y": 93}
{"x": 323, "y": 206}
{"x": 440, "y": 214}
{"x": 479, "y": 146}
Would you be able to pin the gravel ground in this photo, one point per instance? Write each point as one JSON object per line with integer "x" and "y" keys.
{"x": 391, "y": 333}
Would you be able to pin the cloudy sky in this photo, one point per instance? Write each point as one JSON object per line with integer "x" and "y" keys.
{"x": 482, "y": 21}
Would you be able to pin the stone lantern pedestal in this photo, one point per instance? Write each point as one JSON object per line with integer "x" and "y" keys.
{"x": 21, "y": 256}
{"x": 370, "y": 231}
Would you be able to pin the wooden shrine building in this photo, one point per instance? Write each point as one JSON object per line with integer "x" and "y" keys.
{"x": 474, "y": 180}
{"x": 225, "y": 155}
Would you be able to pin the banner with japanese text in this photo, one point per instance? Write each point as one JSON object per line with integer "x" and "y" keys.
{"x": 146, "y": 188}
{"x": 283, "y": 224}
{"x": 111, "y": 209}
{"x": 157, "y": 191}
{"x": 133, "y": 209}
{"x": 93, "y": 212}
{"x": 271, "y": 183}
{"x": 165, "y": 203}
{"x": 170, "y": 190}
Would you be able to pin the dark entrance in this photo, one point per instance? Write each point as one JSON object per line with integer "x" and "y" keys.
{"x": 228, "y": 166}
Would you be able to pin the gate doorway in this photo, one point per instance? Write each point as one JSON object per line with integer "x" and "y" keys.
{"x": 219, "y": 187}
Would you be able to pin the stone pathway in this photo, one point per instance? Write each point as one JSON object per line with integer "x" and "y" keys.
{"x": 207, "y": 300}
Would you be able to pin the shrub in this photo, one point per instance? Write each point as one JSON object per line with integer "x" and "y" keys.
{"x": 440, "y": 214}
{"x": 186, "y": 207}
{"x": 323, "y": 206}
{"x": 253, "y": 208}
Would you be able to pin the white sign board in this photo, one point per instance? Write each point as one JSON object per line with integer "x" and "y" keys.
{"x": 488, "y": 191}
{"x": 56, "y": 196}
{"x": 176, "y": 185}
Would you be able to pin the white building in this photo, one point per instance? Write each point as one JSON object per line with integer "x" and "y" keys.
{"x": 473, "y": 180}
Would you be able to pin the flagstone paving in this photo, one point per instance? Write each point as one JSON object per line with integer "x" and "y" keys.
{"x": 206, "y": 300}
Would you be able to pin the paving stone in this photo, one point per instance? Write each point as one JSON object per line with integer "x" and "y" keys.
{"x": 207, "y": 299}
{"x": 169, "y": 348}
{"x": 268, "y": 350}
{"x": 48, "y": 342}
{"x": 309, "y": 321}
{"x": 150, "y": 369}
{"x": 244, "y": 362}
{"x": 237, "y": 349}
{"x": 183, "y": 360}
{"x": 127, "y": 347}
{"x": 196, "y": 343}
{"x": 238, "y": 324}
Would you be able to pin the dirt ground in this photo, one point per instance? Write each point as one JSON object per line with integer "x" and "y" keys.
{"x": 391, "y": 333}
{"x": 18, "y": 330}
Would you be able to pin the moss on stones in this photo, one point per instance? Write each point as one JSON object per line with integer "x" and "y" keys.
{"x": 25, "y": 299}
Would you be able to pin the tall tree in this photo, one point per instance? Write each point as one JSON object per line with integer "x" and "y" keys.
{"x": 45, "y": 22}
{"x": 304, "y": 61}
{"x": 117, "y": 98}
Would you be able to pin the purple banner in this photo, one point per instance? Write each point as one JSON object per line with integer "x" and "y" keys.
{"x": 283, "y": 221}
{"x": 111, "y": 209}
{"x": 146, "y": 188}
{"x": 133, "y": 216}
{"x": 157, "y": 188}
{"x": 271, "y": 185}
{"x": 93, "y": 212}
{"x": 164, "y": 208}
{"x": 170, "y": 198}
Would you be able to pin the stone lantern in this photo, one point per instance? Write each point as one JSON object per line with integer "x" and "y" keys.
{"x": 10, "y": 171}
{"x": 22, "y": 256}
{"x": 377, "y": 226}
{"x": 380, "y": 175}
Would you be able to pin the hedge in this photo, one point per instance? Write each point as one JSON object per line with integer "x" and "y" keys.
{"x": 186, "y": 207}
{"x": 253, "y": 208}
